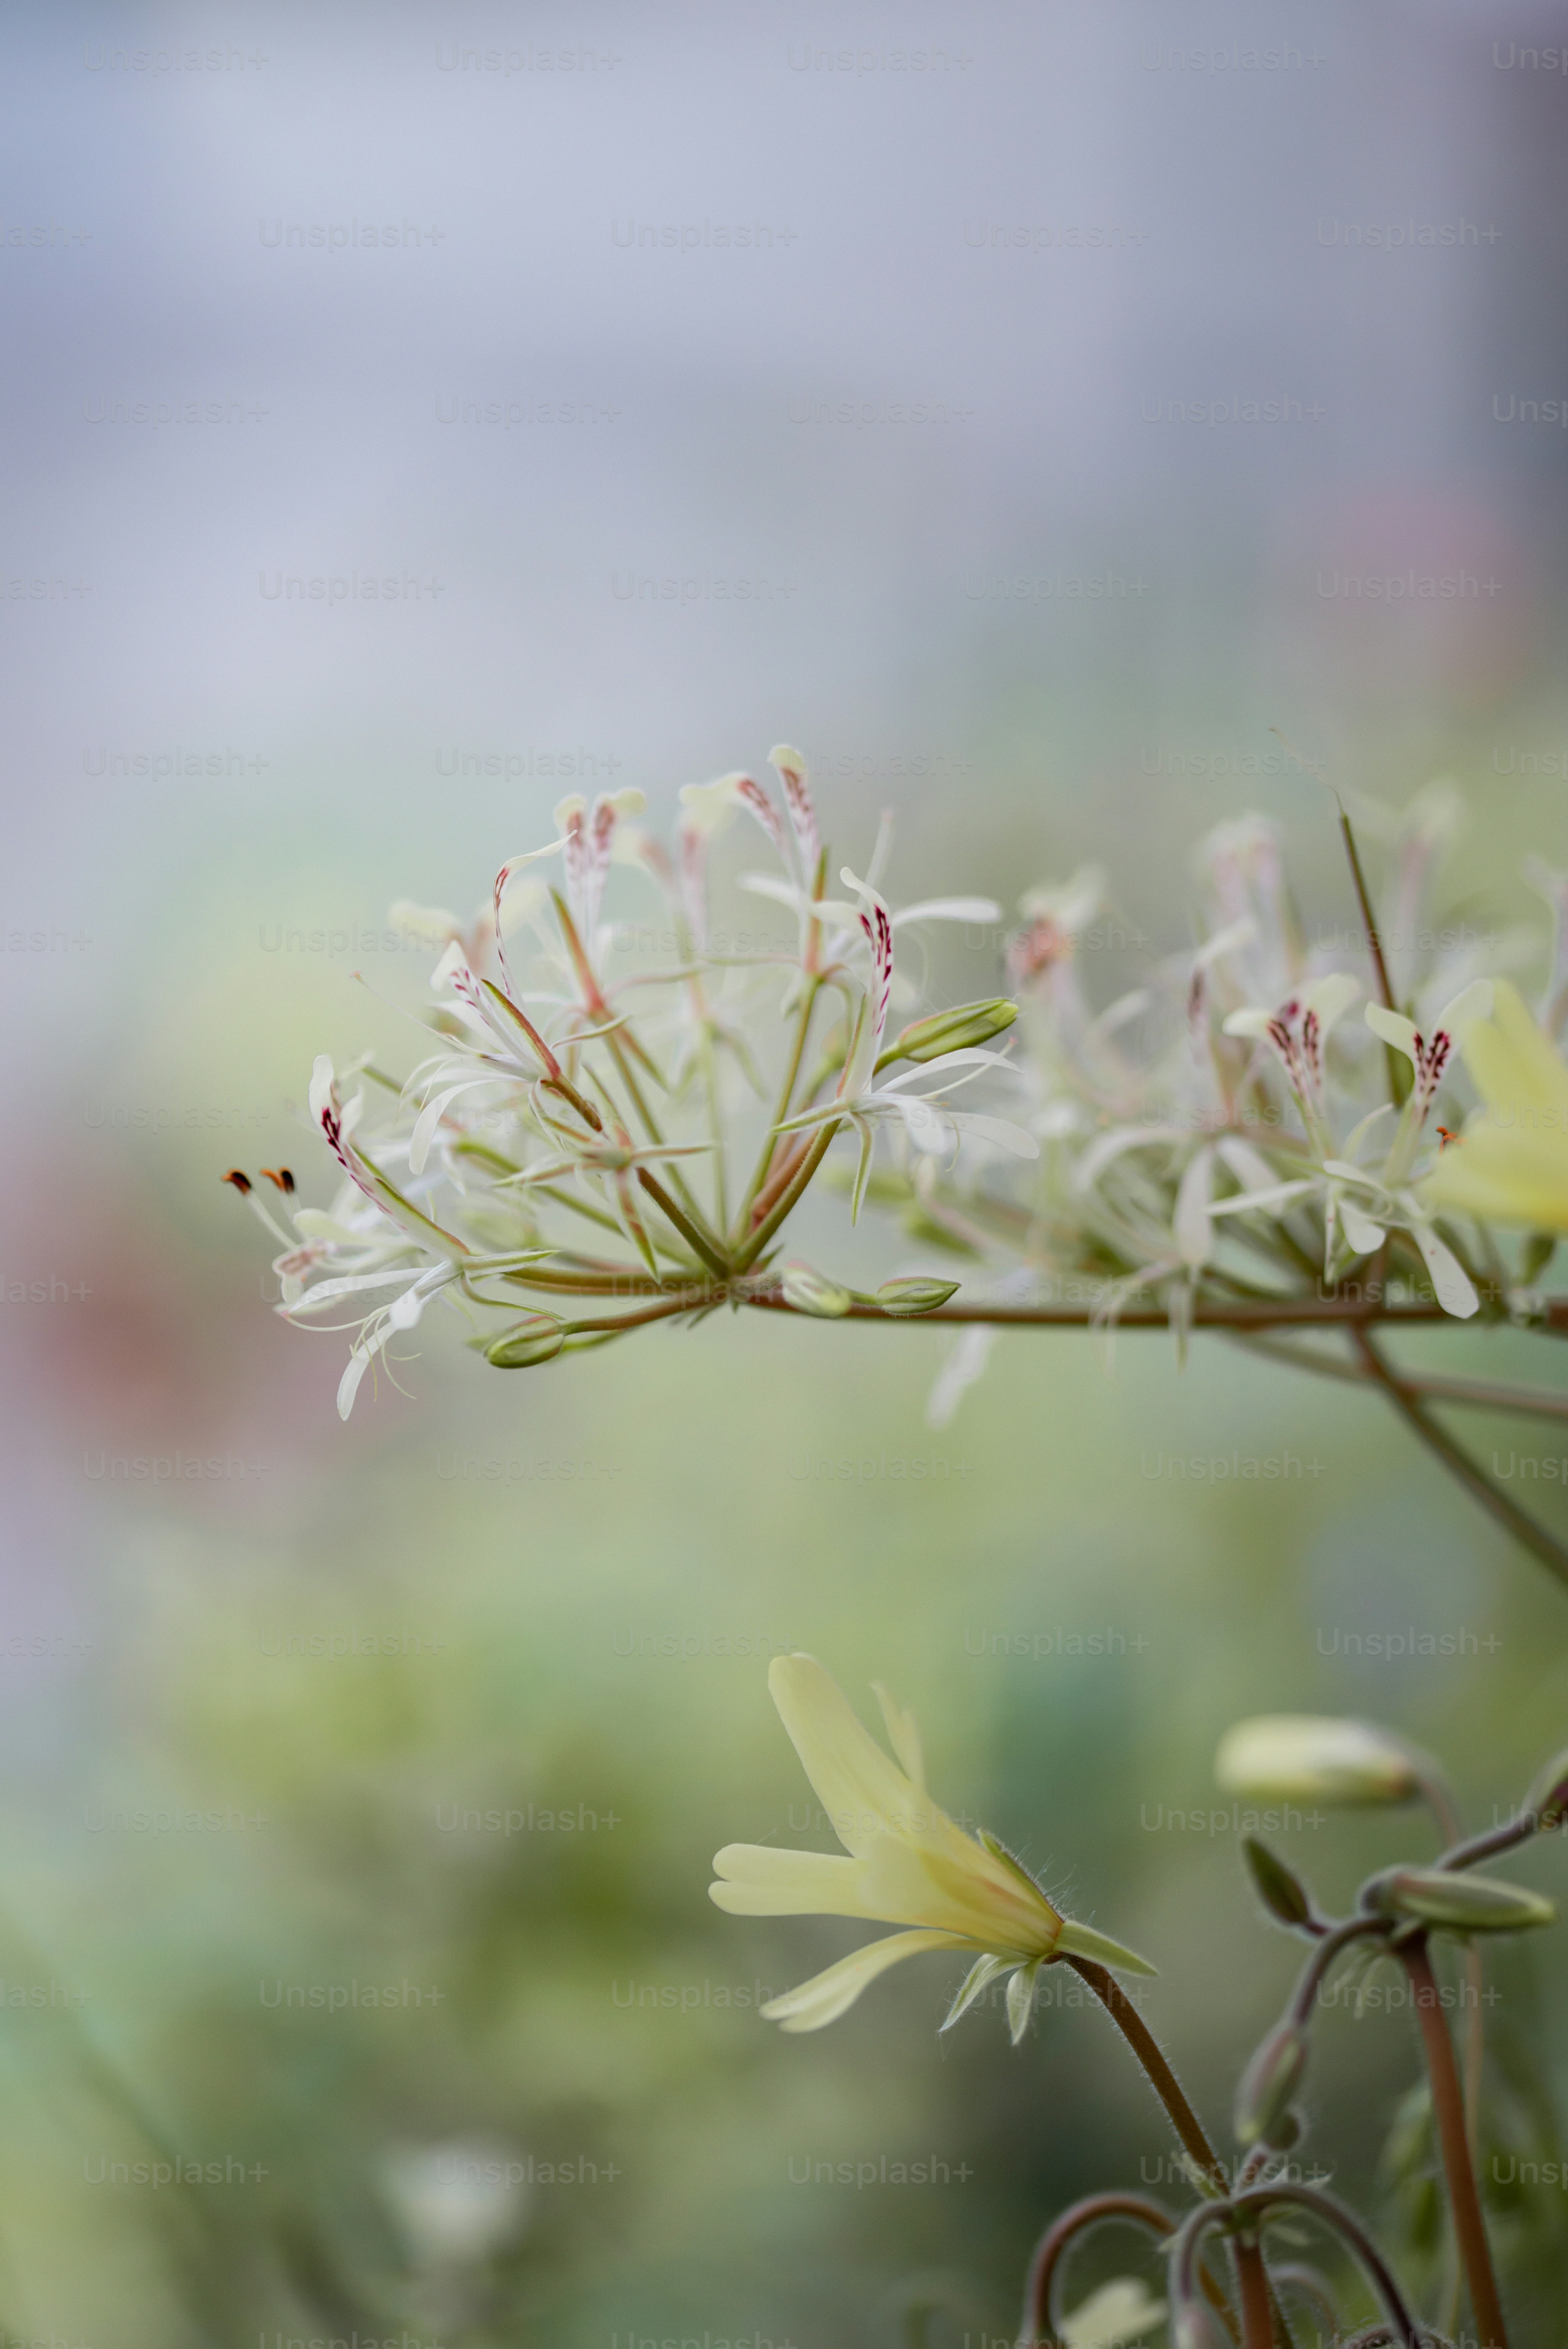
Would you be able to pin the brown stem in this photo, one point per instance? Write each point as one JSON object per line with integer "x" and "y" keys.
{"x": 1257, "y": 2305}
{"x": 1052, "y": 2247}
{"x": 1156, "y": 2065}
{"x": 1478, "y": 1393}
{"x": 1449, "y": 2109}
{"x": 1534, "y": 1538}
{"x": 1323, "y": 1312}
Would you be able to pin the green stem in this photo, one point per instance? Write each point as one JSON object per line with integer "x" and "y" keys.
{"x": 1448, "y": 2107}
{"x": 748, "y": 1253}
{"x": 802, "y": 1027}
{"x": 689, "y": 1230}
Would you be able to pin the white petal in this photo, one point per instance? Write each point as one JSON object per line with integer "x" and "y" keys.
{"x": 321, "y": 1084}
{"x": 1362, "y": 1233}
{"x": 1249, "y": 1166}
{"x": 965, "y": 1365}
{"x": 1394, "y": 1029}
{"x": 949, "y": 909}
{"x": 1194, "y": 1235}
{"x": 1113, "y": 2317}
{"x": 999, "y": 1130}
{"x": 1330, "y": 997}
{"x": 1252, "y": 1022}
{"x": 348, "y": 1385}
{"x": 1472, "y": 1003}
{"x": 834, "y": 1991}
{"x": 1455, "y": 1292}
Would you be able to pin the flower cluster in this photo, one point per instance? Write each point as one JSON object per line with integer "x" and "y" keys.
{"x": 1258, "y": 1131}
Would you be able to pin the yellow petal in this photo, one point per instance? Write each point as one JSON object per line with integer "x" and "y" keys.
{"x": 833, "y": 1992}
{"x": 902, "y": 1736}
{"x": 759, "y": 1881}
{"x": 1502, "y": 1177}
{"x": 1511, "y": 1061}
{"x": 865, "y": 1795}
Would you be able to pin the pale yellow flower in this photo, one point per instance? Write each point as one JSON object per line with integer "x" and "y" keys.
{"x": 1511, "y": 1165}
{"x": 908, "y": 1864}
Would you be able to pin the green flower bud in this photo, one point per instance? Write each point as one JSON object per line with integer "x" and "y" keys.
{"x": 537, "y": 1338}
{"x": 1300, "y": 1757}
{"x": 902, "y": 1299}
{"x": 1269, "y": 2083}
{"x": 1547, "y": 1801}
{"x": 1462, "y": 1904}
{"x": 951, "y": 1032}
{"x": 809, "y": 1292}
{"x": 1279, "y": 1889}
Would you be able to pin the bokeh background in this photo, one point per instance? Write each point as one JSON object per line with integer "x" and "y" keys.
{"x": 937, "y": 415}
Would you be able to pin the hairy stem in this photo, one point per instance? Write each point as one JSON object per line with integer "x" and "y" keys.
{"x": 1156, "y": 2065}
{"x": 1449, "y": 2110}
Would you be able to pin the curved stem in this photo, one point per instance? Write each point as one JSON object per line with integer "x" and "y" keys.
{"x": 1449, "y": 2110}
{"x": 1333, "y": 2214}
{"x": 1534, "y": 1538}
{"x": 1156, "y": 2065}
{"x": 1139, "y": 2210}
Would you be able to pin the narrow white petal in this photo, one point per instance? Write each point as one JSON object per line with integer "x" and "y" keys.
{"x": 1394, "y": 1029}
{"x": 1362, "y": 1233}
{"x": 815, "y": 2003}
{"x": 949, "y": 909}
{"x": 1455, "y": 1292}
{"x": 1331, "y": 996}
{"x": 1194, "y": 1235}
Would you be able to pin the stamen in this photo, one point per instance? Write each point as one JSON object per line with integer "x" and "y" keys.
{"x": 241, "y": 1183}
{"x": 278, "y": 1175}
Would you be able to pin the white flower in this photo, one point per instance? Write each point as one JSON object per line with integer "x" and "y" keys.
{"x": 926, "y": 1118}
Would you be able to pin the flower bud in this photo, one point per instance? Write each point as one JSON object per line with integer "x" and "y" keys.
{"x": 902, "y": 1299}
{"x": 1278, "y": 1887}
{"x": 537, "y": 1338}
{"x": 951, "y": 1032}
{"x": 809, "y": 1292}
{"x": 1300, "y": 1757}
{"x": 1461, "y": 1904}
{"x": 1547, "y": 1801}
{"x": 1268, "y": 2085}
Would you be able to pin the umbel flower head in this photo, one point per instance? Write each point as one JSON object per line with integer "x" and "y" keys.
{"x": 908, "y": 1864}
